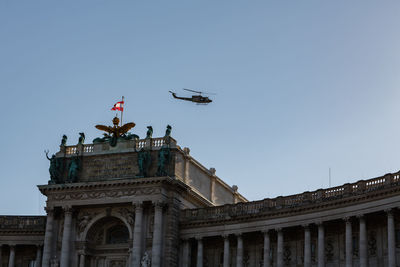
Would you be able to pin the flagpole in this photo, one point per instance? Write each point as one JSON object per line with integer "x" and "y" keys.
{"x": 122, "y": 111}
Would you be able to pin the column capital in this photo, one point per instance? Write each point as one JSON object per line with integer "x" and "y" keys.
{"x": 239, "y": 235}
{"x": 319, "y": 223}
{"x": 306, "y": 226}
{"x": 389, "y": 212}
{"x": 137, "y": 205}
{"x": 360, "y": 216}
{"x": 67, "y": 209}
{"x": 198, "y": 238}
{"x": 225, "y": 236}
{"x": 265, "y": 231}
{"x": 347, "y": 219}
{"x": 159, "y": 204}
{"x": 278, "y": 229}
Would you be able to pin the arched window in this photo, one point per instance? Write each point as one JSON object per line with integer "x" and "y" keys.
{"x": 117, "y": 234}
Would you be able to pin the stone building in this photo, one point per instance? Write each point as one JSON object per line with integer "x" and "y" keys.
{"x": 149, "y": 203}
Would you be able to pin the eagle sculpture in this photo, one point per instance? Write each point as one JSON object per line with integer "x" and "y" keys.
{"x": 114, "y": 132}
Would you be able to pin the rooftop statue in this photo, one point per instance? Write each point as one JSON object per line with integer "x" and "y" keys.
{"x": 64, "y": 140}
{"x": 115, "y": 132}
{"x": 81, "y": 139}
{"x": 168, "y": 131}
{"x": 149, "y": 133}
{"x": 55, "y": 169}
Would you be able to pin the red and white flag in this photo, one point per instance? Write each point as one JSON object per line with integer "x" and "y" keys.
{"x": 118, "y": 106}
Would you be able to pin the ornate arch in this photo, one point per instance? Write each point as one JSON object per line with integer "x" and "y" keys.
{"x": 87, "y": 220}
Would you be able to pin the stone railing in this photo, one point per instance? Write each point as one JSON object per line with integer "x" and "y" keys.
{"x": 262, "y": 206}
{"x": 153, "y": 143}
{"x": 32, "y": 223}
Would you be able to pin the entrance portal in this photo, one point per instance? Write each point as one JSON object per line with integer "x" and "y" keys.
{"x": 108, "y": 243}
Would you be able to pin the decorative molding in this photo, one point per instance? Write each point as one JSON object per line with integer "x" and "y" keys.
{"x": 102, "y": 194}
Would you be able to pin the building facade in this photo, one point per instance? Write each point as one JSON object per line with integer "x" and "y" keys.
{"x": 130, "y": 202}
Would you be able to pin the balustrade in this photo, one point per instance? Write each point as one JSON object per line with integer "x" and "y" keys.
{"x": 270, "y": 205}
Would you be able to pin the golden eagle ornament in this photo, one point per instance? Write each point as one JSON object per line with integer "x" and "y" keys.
{"x": 114, "y": 132}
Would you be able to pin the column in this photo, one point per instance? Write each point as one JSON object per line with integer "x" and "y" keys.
{"x": 307, "y": 246}
{"x": 226, "y": 251}
{"x": 279, "y": 250}
{"x": 38, "y": 261}
{"x": 239, "y": 251}
{"x": 65, "y": 246}
{"x": 157, "y": 235}
{"x": 48, "y": 238}
{"x": 199, "y": 252}
{"x": 137, "y": 236}
{"x": 349, "y": 243}
{"x": 391, "y": 239}
{"x": 82, "y": 260}
{"x": 267, "y": 249}
{"x": 1, "y": 255}
{"x": 363, "y": 242}
{"x": 11, "y": 258}
{"x": 185, "y": 251}
{"x": 321, "y": 245}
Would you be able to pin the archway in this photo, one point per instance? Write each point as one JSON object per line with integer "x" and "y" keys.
{"x": 107, "y": 243}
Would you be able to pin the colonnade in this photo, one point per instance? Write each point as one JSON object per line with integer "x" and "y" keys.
{"x": 12, "y": 255}
{"x": 279, "y": 258}
{"x": 137, "y": 246}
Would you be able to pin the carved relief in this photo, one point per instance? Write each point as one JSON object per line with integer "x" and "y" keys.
{"x": 329, "y": 249}
{"x": 83, "y": 220}
{"x": 127, "y": 214}
{"x": 287, "y": 255}
{"x": 106, "y": 193}
{"x": 372, "y": 244}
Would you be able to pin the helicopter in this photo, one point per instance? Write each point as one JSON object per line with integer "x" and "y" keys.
{"x": 199, "y": 99}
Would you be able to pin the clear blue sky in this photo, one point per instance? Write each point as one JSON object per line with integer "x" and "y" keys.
{"x": 302, "y": 86}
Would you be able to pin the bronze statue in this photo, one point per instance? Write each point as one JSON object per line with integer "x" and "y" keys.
{"x": 114, "y": 132}
{"x": 149, "y": 133}
{"x": 74, "y": 167}
{"x": 168, "y": 131}
{"x": 164, "y": 156}
{"x": 81, "y": 139}
{"x": 64, "y": 140}
{"x": 144, "y": 162}
{"x": 55, "y": 168}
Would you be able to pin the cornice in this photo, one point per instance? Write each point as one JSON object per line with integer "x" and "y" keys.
{"x": 44, "y": 189}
